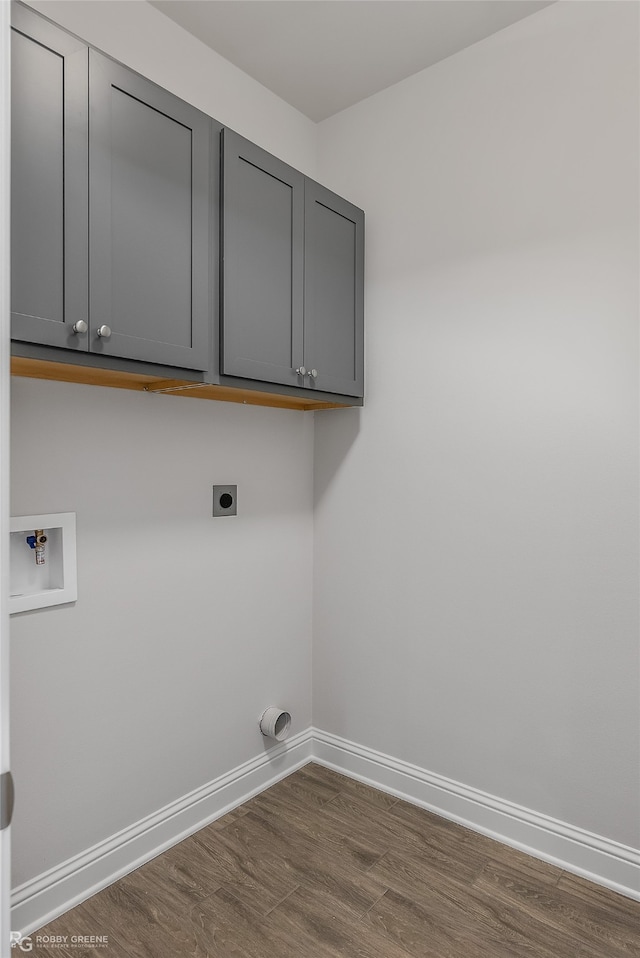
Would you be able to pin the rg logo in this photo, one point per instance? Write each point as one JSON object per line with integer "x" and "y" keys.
{"x": 17, "y": 941}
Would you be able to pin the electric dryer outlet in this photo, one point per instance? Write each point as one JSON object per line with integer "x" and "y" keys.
{"x": 225, "y": 501}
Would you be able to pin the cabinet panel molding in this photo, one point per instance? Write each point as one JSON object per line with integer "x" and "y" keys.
{"x": 334, "y": 291}
{"x": 149, "y": 225}
{"x": 262, "y": 242}
{"x": 49, "y": 212}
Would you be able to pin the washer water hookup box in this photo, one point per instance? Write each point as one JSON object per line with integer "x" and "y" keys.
{"x": 42, "y": 557}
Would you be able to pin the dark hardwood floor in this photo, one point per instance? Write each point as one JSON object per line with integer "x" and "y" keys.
{"x": 320, "y": 866}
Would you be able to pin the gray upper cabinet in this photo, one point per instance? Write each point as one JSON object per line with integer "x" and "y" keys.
{"x": 48, "y": 183}
{"x": 262, "y": 236}
{"x": 110, "y": 205}
{"x": 149, "y": 224}
{"x": 140, "y": 249}
{"x": 333, "y": 292}
{"x": 292, "y": 275}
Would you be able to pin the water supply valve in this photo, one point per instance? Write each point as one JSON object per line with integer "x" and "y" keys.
{"x": 37, "y": 541}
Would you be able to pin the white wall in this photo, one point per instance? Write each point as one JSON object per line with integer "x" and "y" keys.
{"x": 186, "y": 627}
{"x": 476, "y": 553}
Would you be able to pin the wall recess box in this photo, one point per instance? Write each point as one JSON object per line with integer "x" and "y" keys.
{"x": 37, "y": 586}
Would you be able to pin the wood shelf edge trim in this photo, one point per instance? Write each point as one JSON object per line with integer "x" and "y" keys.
{"x": 94, "y": 376}
{"x": 248, "y": 397}
{"x": 70, "y": 373}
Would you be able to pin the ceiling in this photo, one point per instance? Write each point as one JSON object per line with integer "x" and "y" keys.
{"x": 322, "y": 56}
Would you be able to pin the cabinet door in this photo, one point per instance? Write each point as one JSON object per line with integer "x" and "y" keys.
{"x": 149, "y": 225}
{"x": 334, "y": 292}
{"x": 48, "y": 183}
{"x": 262, "y": 264}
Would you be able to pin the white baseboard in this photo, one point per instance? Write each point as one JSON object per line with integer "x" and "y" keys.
{"x": 574, "y": 849}
{"x": 50, "y": 894}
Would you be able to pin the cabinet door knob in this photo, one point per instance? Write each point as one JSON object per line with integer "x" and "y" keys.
{"x": 301, "y": 370}
{"x": 80, "y": 326}
{"x": 313, "y": 373}
{"x": 104, "y": 332}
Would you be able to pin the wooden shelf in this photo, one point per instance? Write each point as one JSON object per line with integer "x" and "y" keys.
{"x": 92, "y": 376}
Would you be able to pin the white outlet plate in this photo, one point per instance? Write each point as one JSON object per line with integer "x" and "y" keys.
{"x": 55, "y": 582}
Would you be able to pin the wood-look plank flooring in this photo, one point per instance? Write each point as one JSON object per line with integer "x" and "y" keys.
{"x": 319, "y": 866}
